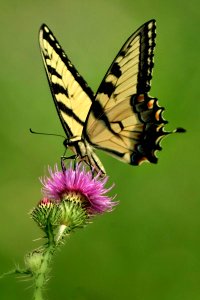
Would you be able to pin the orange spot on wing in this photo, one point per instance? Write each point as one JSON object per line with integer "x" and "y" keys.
{"x": 150, "y": 104}
{"x": 157, "y": 114}
{"x": 140, "y": 98}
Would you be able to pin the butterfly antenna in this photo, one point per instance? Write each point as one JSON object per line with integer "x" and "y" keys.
{"x": 44, "y": 133}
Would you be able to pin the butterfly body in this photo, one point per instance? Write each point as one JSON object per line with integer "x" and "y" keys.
{"x": 121, "y": 118}
{"x": 85, "y": 152}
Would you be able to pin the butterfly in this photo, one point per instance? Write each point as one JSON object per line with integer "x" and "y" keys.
{"x": 121, "y": 118}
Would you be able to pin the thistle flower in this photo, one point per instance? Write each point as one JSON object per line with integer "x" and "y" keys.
{"x": 77, "y": 184}
{"x": 70, "y": 198}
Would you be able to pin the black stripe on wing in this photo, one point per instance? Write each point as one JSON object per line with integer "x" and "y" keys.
{"x": 69, "y": 112}
{"x": 57, "y": 65}
{"x": 50, "y": 38}
{"x": 147, "y": 45}
{"x": 137, "y": 50}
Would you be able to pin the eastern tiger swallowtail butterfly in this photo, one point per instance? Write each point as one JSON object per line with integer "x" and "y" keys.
{"x": 121, "y": 118}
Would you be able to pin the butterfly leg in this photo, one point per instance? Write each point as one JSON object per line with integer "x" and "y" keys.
{"x": 85, "y": 160}
{"x": 63, "y": 158}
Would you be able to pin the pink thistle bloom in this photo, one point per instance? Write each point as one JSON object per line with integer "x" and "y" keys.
{"x": 78, "y": 185}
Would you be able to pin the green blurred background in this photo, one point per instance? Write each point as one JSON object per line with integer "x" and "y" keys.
{"x": 149, "y": 247}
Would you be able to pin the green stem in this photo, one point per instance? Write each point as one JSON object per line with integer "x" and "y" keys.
{"x": 42, "y": 275}
{"x": 38, "y": 294}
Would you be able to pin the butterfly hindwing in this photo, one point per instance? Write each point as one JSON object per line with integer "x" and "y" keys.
{"x": 71, "y": 94}
{"x": 124, "y": 120}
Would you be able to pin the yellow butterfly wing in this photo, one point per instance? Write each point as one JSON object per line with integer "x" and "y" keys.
{"x": 71, "y": 94}
{"x": 124, "y": 120}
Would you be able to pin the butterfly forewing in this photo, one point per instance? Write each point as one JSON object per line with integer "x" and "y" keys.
{"x": 123, "y": 119}
{"x": 71, "y": 94}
